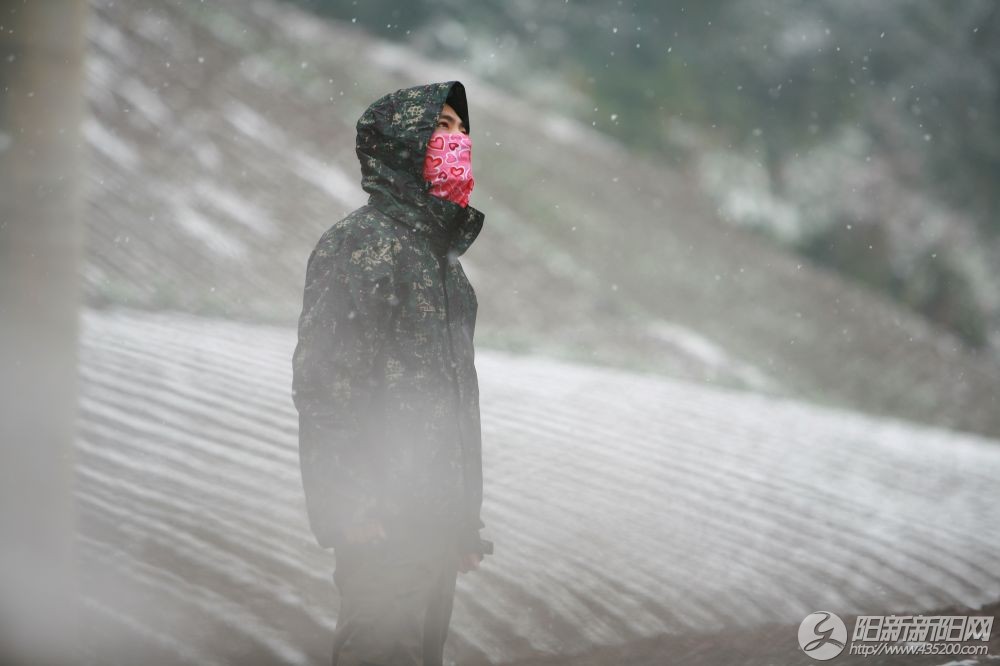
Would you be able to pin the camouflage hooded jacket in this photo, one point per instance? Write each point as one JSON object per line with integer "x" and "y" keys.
{"x": 384, "y": 379}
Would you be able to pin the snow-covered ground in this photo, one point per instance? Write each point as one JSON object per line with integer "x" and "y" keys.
{"x": 220, "y": 143}
{"x": 621, "y": 505}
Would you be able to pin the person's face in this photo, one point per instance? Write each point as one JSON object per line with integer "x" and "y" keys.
{"x": 449, "y": 122}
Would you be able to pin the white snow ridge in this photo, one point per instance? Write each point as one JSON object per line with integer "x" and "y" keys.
{"x": 621, "y": 505}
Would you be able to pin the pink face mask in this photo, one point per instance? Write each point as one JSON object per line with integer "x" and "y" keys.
{"x": 448, "y": 166}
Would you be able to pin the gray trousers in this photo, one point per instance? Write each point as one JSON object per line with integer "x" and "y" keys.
{"x": 395, "y": 601}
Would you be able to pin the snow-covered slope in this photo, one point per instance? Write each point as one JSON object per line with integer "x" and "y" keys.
{"x": 221, "y": 141}
{"x": 621, "y": 505}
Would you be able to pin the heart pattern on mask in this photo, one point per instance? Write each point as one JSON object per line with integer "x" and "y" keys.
{"x": 455, "y": 182}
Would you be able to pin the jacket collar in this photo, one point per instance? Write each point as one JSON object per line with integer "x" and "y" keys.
{"x": 391, "y": 144}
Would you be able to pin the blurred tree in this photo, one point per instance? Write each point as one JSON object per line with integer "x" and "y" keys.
{"x": 41, "y": 61}
{"x": 776, "y": 79}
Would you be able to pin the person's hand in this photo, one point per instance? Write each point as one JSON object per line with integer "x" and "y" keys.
{"x": 364, "y": 532}
{"x": 469, "y": 562}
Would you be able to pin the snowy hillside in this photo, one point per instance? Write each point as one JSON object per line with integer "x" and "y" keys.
{"x": 622, "y": 506}
{"x": 221, "y": 144}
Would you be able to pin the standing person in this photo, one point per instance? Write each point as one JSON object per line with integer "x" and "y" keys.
{"x": 385, "y": 383}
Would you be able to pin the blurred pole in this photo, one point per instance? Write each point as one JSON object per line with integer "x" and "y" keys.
{"x": 41, "y": 105}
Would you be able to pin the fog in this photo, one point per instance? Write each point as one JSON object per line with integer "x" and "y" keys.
{"x": 737, "y": 340}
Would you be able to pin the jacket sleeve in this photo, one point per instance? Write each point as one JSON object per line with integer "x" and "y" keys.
{"x": 340, "y": 329}
{"x": 469, "y": 537}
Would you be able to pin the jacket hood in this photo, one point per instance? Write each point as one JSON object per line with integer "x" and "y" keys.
{"x": 391, "y": 144}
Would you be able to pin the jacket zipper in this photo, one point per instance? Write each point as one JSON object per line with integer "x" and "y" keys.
{"x": 442, "y": 263}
